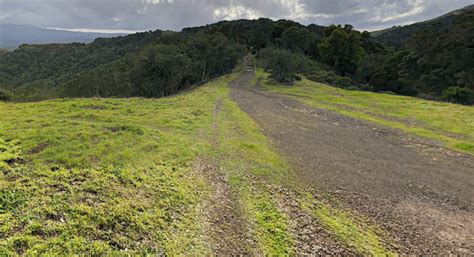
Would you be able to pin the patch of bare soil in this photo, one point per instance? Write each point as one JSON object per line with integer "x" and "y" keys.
{"x": 228, "y": 230}
{"x": 310, "y": 238}
{"x": 418, "y": 191}
{"x": 39, "y": 148}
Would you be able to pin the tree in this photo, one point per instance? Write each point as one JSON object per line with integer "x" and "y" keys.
{"x": 459, "y": 95}
{"x": 341, "y": 49}
{"x": 5, "y": 95}
{"x": 297, "y": 39}
{"x": 281, "y": 64}
{"x": 213, "y": 53}
{"x": 159, "y": 71}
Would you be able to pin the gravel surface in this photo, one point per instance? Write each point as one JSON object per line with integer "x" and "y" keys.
{"x": 418, "y": 191}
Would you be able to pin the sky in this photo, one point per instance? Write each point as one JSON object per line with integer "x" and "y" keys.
{"x": 140, "y": 15}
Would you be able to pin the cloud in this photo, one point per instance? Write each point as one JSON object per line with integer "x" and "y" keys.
{"x": 175, "y": 14}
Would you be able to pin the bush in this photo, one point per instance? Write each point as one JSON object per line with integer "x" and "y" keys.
{"x": 5, "y": 95}
{"x": 459, "y": 95}
{"x": 323, "y": 76}
{"x": 343, "y": 82}
{"x": 281, "y": 63}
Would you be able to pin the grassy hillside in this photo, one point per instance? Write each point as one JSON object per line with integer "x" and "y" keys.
{"x": 451, "y": 124}
{"x": 108, "y": 176}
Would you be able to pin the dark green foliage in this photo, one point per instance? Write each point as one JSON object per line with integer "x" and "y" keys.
{"x": 5, "y": 95}
{"x": 386, "y": 78}
{"x": 51, "y": 67}
{"x": 281, "y": 64}
{"x": 159, "y": 71}
{"x": 343, "y": 82}
{"x": 119, "y": 67}
{"x": 459, "y": 95}
{"x": 368, "y": 66}
{"x": 434, "y": 58}
{"x": 155, "y": 64}
{"x": 341, "y": 49}
{"x": 298, "y": 39}
{"x": 426, "y": 62}
{"x": 398, "y": 36}
{"x": 107, "y": 80}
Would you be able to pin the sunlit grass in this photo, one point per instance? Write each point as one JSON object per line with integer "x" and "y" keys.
{"x": 451, "y": 124}
{"x": 347, "y": 228}
{"x": 115, "y": 175}
{"x": 109, "y": 176}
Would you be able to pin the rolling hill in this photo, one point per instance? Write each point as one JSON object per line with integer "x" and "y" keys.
{"x": 240, "y": 138}
{"x": 201, "y": 173}
{"x": 397, "y": 36}
{"x": 432, "y": 59}
{"x": 434, "y": 62}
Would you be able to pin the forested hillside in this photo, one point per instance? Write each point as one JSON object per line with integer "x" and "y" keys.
{"x": 155, "y": 64}
{"x": 434, "y": 62}
{"x": 150, "y": 64}
{"x": 397, "y": 36}
{"x": 432, "y": 59}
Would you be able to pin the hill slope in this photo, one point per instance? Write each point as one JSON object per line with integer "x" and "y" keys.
{"x": 189, "y": 174}
{"x": 14, "y": 35}
{"x": 193, "y": 174}
{"x": 399, "y": 35}
{"x": 434, "y": 63}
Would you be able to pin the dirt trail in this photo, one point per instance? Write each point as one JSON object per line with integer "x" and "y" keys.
{"x": 408, "y": 186}
{"x": 227, "y": 229}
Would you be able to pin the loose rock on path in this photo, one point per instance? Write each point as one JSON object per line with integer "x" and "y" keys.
{"x": 406, "y": 185}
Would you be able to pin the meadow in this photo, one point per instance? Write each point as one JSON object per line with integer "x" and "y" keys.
{"x": 118, "y": 176}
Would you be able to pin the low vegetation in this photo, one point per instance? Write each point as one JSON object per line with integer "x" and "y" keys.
{"x": 107, "y": 176}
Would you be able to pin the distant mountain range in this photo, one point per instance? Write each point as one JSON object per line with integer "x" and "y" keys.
{"x": 13, "y": 35}
{"x": 398, "y": 35}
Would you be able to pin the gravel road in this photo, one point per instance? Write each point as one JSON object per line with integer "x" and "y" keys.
{"x": 419, "y": 192}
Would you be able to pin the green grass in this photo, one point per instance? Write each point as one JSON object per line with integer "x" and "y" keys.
{"x": 245, "y": 154}
{"x": 271, "y": 226}
{"x": 450, "y": 124}
{"x": 115, "y": 176}
{"x": 347, "y": 228}
{"x": 102, "y": 175}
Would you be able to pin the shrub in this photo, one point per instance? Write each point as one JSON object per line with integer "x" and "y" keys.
{"x": 459, "y": 95}
{"x": 323, "y": 76}
{"x": 281, "y": 63}
{"x": 5, "y": 95}
{"x": 343, "y": 82}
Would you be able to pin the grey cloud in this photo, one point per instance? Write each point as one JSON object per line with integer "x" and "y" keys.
{"x": 176, "y": 14}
